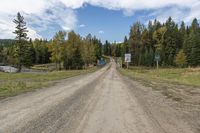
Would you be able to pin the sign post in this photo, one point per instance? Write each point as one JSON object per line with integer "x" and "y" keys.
{"x": 127, "y": 59}
{"x": 157, "y": 59}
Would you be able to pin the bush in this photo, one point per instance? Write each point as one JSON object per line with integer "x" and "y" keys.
{"x": 181, "y": 59}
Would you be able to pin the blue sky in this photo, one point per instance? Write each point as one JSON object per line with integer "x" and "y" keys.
{"x": 105, "y": 24}
{"x": 106, "y": 19}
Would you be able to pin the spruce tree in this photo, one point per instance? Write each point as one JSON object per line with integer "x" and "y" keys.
{"x": 23, "y": 46}
{"x": 182, "y": 35}
{"x": 192, "y": 44}
{"x": 171, "y": 45}
{"x": 77, "y": 61}
{"x": 126, "y": 48}
{"x": 195, "y": 53}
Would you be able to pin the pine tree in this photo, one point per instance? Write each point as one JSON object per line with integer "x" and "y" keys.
{"x": 182, "y": 35}
{"x": 135, "y": 42}
{"x": 195, "y": 52}
{"x": 23, "y": 46}
{"x": 98, "y": 48}
{"x": 192, "y": 44}
{"x": 77, "y": 61}
{"x": 107, "y": 48}
{"x": 32, "y": 52}
{"x": 126, "y": 48}
{"x": 171, "y": 42}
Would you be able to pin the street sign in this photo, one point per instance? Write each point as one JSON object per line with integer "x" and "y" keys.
{"x": 157, "y": 57}
{"x": 127, "y": 58}
{"x": 101, "y": 62}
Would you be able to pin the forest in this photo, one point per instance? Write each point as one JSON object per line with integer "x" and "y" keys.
{"x": 178, "y": 45}
{"x": 75, "y": 52}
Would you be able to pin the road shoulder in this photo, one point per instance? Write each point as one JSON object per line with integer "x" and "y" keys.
{"x": 173, "y": 116}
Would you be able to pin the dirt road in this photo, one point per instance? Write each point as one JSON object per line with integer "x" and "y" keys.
{"x": 101, "y": 102}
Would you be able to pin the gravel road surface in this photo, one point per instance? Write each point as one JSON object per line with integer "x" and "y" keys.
{"x": 99, "y": 102}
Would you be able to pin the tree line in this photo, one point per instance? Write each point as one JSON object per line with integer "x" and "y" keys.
{"x": 75, "y": 52}
{"x": 177, "y": 45}
{"x": 66, "y": 50}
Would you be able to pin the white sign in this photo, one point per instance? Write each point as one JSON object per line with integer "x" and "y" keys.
{"x": 127, "y": 58}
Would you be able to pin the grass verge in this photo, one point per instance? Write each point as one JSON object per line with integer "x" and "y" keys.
{"x": 186, "y": 76}
{"x": 12, "y": 84}
{"x": 177, "y": 84}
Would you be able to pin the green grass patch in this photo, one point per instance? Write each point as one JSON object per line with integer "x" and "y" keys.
{"x": 12, "y": 84}
{"x": 185, "y": 76}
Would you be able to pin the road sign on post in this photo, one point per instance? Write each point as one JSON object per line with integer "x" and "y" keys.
{"x": 127, "y": 59}
{"x": 157, "y": 59}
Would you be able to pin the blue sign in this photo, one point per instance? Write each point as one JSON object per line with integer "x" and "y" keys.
{"x": 157, "y": 57}
{"x": 101, "y": 62}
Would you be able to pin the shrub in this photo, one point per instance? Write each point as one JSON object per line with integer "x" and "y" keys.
{"x": 181, "y": 59}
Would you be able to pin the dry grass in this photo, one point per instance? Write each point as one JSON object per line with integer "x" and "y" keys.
{"x": 15, "y": 83}
{"x": 186, "y": 76}
{"x": 182, "y": 85}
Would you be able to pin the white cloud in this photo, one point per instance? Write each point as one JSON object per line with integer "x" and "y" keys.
{"x": 29, "y": 6}
{"x": 178, "y": 14}
{"x": 42, "y": 14}
{"x": 33, "y": 34}
{"x": 194, "y": 13}
{"x": 130, "y": 6}
{"x": 82, "y": 25}
{"x": 101, "y": 32}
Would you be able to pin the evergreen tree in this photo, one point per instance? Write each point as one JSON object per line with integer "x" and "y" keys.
{"x": 32, "y": 52}
{"x": 145, "y": 48}
{"x": 126, "y": 47}
{"x": 77, "y": 61}
{"x": 195, "y": 43}
{"x": 107, "y": 48}
{"x": 171, "y": 42}
{"x": 23, "y": 46}
{"x": 192, "y": 44}
{"x": 98, "y": 48}
{"x": 135, "y": 42}
{"x": 182, "y": 35}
